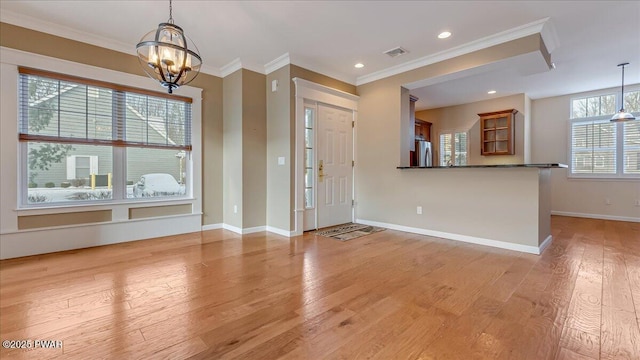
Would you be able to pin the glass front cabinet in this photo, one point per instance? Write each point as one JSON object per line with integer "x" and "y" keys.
{"x": 497, "y": 132}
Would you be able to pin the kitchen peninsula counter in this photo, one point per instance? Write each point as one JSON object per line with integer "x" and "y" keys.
{"x": 500, "y": 166}
{"x": 506, "y": 206}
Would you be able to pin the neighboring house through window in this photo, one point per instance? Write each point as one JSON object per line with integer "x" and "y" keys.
{"x": 81, "y": 166}
{"x": 600, "y": 148}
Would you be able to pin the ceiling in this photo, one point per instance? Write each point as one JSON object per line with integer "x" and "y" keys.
{"x": 329, "y": 37}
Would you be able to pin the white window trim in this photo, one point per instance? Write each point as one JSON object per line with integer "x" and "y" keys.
{"x": 619, "y": 137}
{"x": 10, "y": 151}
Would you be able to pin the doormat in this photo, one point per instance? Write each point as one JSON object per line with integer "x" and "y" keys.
{"x": 348, "y": 231}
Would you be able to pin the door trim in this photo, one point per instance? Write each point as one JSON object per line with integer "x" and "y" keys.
{"x": 319, "y": 93}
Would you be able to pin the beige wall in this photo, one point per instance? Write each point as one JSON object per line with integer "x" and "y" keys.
{"x": 49, "y": 45}
{"x": 279, "y": 140}
{"x": 550, "y": 132}
{"x": 232, "y": 149}
{"x": 465, "y": 118}
{"x": 245, "y": 134}
{"x": 254, "y": 149}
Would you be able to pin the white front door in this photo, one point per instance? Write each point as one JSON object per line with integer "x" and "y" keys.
{"x": 334, "y": 166}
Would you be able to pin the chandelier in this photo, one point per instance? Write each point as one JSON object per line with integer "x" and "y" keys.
{"x": 168, "y": 55}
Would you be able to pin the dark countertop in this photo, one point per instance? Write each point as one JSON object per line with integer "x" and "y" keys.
{"x": 502, "y": 166}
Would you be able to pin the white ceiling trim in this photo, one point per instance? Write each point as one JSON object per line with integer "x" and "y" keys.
{"x": 236, "y": 65}
{"x": 231, "y": 67}
{"x": 26, "y": 21}
{"x": 492, "y": 40}
{"x": 543, "y": 26}
{"x": 277, "y": 63}
{"x": 32, "y": 23}
{"x": 313, "y": 67}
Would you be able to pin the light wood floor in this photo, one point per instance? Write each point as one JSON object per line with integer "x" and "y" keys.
{"x": 389, "y": 295}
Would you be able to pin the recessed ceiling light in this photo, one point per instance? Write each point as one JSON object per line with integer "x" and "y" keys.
{"x": 444, "y": 35}
{"x": 359, "y": 65}
{"x": 491, "y": 92}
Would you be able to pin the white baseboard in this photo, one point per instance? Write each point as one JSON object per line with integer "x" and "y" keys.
{"x": 545, "y": 243}
{"x": 236, "y": 230}
{"x": 256, "y": 229}
{"x": 595, "y": 216}
{"x": 464, "y": 238}
{"x": 244, "y": 231}
{"x": 212, "y": 227}
{"x": 279, "y": 231}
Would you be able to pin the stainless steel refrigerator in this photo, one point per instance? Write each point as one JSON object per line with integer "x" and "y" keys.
{"x": 424, "y": 153}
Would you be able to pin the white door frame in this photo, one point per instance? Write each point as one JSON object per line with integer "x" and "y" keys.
{"x": 319, "y": 93}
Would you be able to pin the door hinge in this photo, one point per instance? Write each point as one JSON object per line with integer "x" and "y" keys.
{"x": 353, "y": 202}
{"x": 353, "y": 124}
{"x": 353, "y": 163}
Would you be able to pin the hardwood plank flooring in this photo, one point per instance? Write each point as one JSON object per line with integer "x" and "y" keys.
{"x": 389, "y": 295}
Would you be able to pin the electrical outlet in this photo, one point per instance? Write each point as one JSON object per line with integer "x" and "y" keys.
{"x": 607, "y": 201}
{"x": 419, "y": 210}
{"x": 235, "y": 209}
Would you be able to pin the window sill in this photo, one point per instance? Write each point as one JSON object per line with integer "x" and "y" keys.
{"x": 89, "y": 206}
{"x": 604, "y": 178}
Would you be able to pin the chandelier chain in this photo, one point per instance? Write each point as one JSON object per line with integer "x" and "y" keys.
{"x": 170, "y": 12}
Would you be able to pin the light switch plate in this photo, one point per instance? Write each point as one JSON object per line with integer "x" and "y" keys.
{"x": 274, "y": 85}
{"x": 281, "y": 160}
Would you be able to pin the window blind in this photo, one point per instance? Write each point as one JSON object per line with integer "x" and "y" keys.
{"x": 461, "y": 148}
{"x": 445, "y": 149}
{"x": 65, "y": 109}
{"x": 631, "y": 147}
{"x": 593, "y": 147}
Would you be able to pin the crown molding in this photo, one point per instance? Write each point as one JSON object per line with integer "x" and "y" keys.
{"x": 309, "y": 65}
{"x": 544, "y": 27}
{"x": 231, "y": 67}
{"x": 29, "y": 22}
{"x": 210, "y": 70}
{"x": 492, "y": 40}
{"x": 277, "y": 63}
{"x": 236, "y": 65}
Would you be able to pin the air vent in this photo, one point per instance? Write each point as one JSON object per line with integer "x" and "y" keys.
{"x": 396, "y": 51}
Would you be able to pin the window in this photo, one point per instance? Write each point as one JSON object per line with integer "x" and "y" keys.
{"x": 600, "y": 148}
{"x": 453, "y": 148}
{"x": 309, "y": 113}
{"x": 77, "y": 135}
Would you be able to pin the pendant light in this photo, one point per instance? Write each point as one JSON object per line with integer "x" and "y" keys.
{"x": 622, "y": 115}
{"x": 168, "y": 55}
